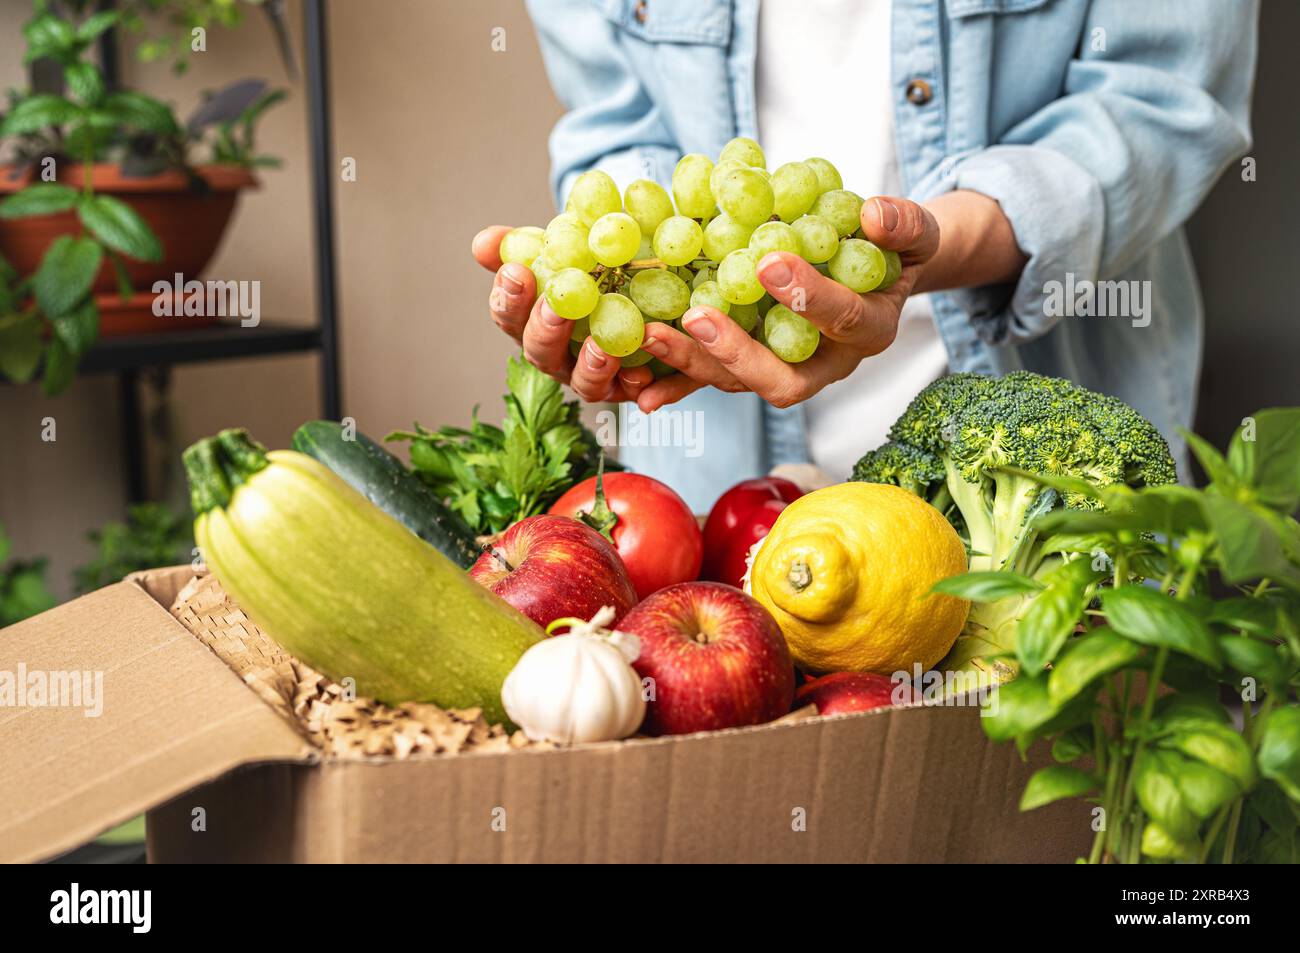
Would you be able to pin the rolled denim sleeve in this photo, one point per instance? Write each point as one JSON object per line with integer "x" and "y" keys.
{"x": 1143, "y": 129}
{"x": 612, "y": 123}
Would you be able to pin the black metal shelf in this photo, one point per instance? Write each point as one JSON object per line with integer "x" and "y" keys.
{"x": 215, "y": 343}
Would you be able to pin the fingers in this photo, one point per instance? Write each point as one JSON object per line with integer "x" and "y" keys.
{"x": 902, "y": 226}
{"x": 667, "y": 390}
{"x": 840, "y": 314}
{"x": 512, "y": 299}
{"x": 486, "y": 247}
{"x": 546, "y": 341}
{"x": 685, "y": 354}
{"x": 744, "y": 358}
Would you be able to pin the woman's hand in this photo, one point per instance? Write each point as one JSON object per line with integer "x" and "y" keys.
{"x": 852, "y": 326}
{"x": 517, "y": 310}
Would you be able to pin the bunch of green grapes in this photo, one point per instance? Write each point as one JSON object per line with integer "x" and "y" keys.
{"x": 610, "y": 263}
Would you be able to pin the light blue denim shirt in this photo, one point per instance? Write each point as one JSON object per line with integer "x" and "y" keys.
{"x": 1098, "y": 125}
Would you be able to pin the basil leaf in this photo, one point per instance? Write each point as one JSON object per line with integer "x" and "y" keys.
{"x": 1054, "y": 613}
{"x": 1158, "y": 792}
{"x": 1054, "y": 783}
{"x": 1157, "y": 619}
{"x": 1271, "y": 461}
{"x": 1092, "y": 655}
{"x": 1018, "y": 708}
{"x": 987, "y": 586}
{"x": 1279, "y": 750}
{"x": 1250, "y": 657}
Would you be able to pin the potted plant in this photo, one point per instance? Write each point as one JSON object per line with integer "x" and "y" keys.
{"x": 23, "y": 591}
{"x": 106, "y": 191}
{"x": 1164, "y": 675}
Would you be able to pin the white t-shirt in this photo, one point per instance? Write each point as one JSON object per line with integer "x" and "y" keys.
{"x": 823, "y": 87}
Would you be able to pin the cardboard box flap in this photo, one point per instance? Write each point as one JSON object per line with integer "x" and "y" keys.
{"x": 108, "y": 706}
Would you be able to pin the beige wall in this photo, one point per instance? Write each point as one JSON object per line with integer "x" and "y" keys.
{"x": 447, "y": 134}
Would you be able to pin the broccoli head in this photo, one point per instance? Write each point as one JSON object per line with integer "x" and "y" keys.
{"x": 973, "y": 445}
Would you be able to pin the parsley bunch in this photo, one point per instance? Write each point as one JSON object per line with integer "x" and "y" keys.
{"x": 495, "y": 476}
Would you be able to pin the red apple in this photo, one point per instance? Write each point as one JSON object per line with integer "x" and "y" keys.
{"x": 842, "y": 693}
{"x": 553, "y": 567}
{"x": 716, "y": 657}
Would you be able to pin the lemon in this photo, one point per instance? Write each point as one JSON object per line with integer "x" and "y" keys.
{"x": 847, "y": 572}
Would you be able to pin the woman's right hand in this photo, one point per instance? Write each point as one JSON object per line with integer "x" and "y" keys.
{"x": 517, "y": 310}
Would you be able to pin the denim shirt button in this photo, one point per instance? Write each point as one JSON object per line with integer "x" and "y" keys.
{"x": 919, "y": 92}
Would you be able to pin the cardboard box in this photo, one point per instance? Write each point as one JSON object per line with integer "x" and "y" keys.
{"x": 182, "y": 737}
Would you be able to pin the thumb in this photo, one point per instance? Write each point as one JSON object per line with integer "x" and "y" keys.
{"x": 486, "y": 247}
{"x": 902, "y": 226}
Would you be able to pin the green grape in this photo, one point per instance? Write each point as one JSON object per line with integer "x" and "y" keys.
{"x": 828, "y": 177}
{"x": 521, "y": 245}
{"x": 648, "y": 203}
{"x": 659, "y": 294}
{"x": 795, "y": 188}
{"x": 564, "y": 244}
{"x": 746, "y": 196}
{"x": 704, "y": 274}
{"x": 678, "y": 240}
{"x": 567, "y": 218}
{"x": 691, "y": 186}
{"x": 791, "y": 337}
{"x": 746, "y": 315}
{"x": 543, "y": 271}
{"x": 594, "y": 194}
{"x": 817, "y": 238}
{"x": 723, "y": 235}
{"x": 774, "y": 236}
{"x": 736, "y": 278}
{"x": 581, "y": 330}
{"x": 764, "y": 305}
{"x": 660, "y": 369}
{"x": 572, "y": 293}
{"x": 617, "y": 325}
{"x": 721, "y": 169}
{"x": 636, "y": 358}
{"x": 744, "y": 150}
{"x": 614, "y": 239}
{"x": 841, "y": 208}
{"x": 893, "y": 269}
{"x": 858, "y": 265}
{"x": 709, "y": 295}
{"x": 646, "y": 250}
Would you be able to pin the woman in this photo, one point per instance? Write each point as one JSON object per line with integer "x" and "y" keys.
{"x": 1043, "y": 146}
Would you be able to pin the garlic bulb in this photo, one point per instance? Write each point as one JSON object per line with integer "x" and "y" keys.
{"x": 579, "y": 686}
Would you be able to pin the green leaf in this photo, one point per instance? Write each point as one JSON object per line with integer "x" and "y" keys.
{"x": 120, "y": 227}
{"x": 1215, "y": 744}
{"x": 1073, "y": 744}
{"x": 1271, "y": 461}
{"x": 66, "y": 273}
{"x": 1250, "y": 657}
{"x": 1157, "y": 791}
{"x": 1053, "y": 783}
{"x": 987, "y": 586}
{"x": 86, "y": 82}
{"x": 1248, "y": 615}
{"x": 97, "y": 23}
{"x": 1154, "y": 618}
{"x": 1254, "y": 542}
{"x": 1054, "y": 613}
{"x": 1162, "y": 845}
{"x": 1018, "y": 708}
{"x": 20, "y": 346}
{"x": 43, "y": 198}
{"x": 1092, "y": 655}
{"x": 38, "y": 112}
{"x": 1211, "y": 461}
{"x": 1279, "y": 750}
{"x": 141, "y": 112}
{"x": 47, "y": 35}
{"x": 6, "y": 547}
{"x": 79, "y": 328}
{"x": 60, "y": 368}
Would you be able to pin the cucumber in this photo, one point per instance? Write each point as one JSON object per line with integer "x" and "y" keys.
{"x": 382, "y": 479}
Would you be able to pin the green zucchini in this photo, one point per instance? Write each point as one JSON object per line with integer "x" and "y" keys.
{"x": 343, "y": 586}
{"x": 382, "y": 479}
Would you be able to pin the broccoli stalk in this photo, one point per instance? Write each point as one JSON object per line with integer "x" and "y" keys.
{"x": 972, "y": 445}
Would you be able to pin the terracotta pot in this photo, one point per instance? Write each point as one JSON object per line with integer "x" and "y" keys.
{"x": 189, "y": 223}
